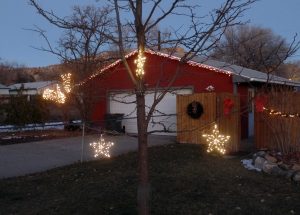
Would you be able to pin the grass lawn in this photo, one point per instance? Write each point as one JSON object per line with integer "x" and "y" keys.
{"x": 184, "y": 180}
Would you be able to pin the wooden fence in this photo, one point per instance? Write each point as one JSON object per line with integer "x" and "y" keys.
{"x": 279, "y": 131}
{"x": 190, "y": 130}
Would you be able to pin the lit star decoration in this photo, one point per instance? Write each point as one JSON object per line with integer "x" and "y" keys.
{"x": 57, "y": 95}
{"x": 140, "y": 61}
{"x": 101, "y": 147}
{"x": 216, "y": 141}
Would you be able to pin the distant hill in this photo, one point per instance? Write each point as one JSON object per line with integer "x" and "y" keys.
{"x": 11, "y": 75}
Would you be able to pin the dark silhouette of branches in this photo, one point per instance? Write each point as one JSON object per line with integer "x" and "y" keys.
{"x": 131, "y": 25}
{"x": 255, "y": 47}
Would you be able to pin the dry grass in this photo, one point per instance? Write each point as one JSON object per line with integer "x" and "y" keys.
{"x": 184, "y": 180}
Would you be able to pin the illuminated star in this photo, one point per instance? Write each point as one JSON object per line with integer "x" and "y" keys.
{"x": 216, "y": 141}
{"x": 101, "y": 147}
{"x": 57, "y": 95}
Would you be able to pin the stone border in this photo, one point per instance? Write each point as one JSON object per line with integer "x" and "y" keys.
{"x": 269, "y": 164}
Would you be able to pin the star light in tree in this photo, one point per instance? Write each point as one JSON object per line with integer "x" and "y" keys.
{"x": 101, "y": 147}
{"x": 216, "y": 141}
{"x": 140, "y": 61}
{"x": 57, "y": 95}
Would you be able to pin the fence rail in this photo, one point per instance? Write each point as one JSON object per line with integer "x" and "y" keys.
{"x": 278, "y": 131}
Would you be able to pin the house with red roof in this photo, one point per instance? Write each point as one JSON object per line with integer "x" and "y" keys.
{"x": 115, "y": 90}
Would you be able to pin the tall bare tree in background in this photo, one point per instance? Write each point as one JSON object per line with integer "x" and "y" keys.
{"x": 11, "y": 73}
{"x": 291, "y": 70}
{"x": 82, "y": 48}
{"x": 255, "y": 48}
{"x": 197, "y": 36}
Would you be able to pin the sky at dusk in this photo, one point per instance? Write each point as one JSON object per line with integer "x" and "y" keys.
{"x": 16, "y": 43}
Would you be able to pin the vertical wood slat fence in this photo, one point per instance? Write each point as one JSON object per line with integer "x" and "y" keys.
{"x": 276, "y": 132}
{"x": 190, "y": 130}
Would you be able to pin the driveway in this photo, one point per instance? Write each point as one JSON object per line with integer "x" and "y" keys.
{"x": 27, "y": 158}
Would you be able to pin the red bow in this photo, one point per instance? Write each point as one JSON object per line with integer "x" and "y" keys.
{"x": 260, "y": 102}
{"x": 228, "y": 105}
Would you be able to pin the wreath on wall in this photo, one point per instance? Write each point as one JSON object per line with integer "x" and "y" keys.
{"x": 195, "y": 110}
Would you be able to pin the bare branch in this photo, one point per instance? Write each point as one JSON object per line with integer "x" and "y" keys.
{"x": 120, "y": 43}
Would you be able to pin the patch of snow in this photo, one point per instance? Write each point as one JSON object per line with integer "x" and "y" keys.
{"x": 10, "y": 137}
{"x": 44, "y": 135}
{"x": 32, "y": 127}
{"x": 248, "y": 165}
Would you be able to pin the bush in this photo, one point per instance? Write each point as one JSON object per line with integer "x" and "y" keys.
{"x": 20, "y": 110}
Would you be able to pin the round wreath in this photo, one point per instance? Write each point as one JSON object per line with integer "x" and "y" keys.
{"x": 195, "y": 110}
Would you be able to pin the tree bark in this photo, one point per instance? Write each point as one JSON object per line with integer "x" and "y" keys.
{"x": 144, "y": 186}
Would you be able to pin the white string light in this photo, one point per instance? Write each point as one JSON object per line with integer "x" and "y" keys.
{"x": 140, "y": 62}
{"x": 66, "y": 78}
{"x": 101, "y": 147}
{"x": 280, "y": 113}
{"x": 55, "y": 95}
{"x": 216, "y": 141}
{"x": 117, "y": 62}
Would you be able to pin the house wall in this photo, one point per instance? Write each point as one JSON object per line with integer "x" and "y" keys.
{"x": 158, "y": 72}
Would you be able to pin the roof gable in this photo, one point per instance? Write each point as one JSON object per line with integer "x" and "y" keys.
{"x": 160, "y": 54}
{"x": 241, "y": 74}
{"x": 3, "y": 86}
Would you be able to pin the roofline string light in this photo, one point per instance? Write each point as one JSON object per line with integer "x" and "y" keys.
{"x": 104, "y": 69}
{"x": 191, "y": 63}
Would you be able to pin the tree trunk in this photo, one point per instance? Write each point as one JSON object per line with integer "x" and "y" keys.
{"x": 143, "y": 187}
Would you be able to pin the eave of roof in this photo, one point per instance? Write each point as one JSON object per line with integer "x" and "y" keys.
{"x": 191, "y": 63}
{"x": 221, "y": 67}
{"x": 31, "y": 85}
{"x": 242, "y": 74}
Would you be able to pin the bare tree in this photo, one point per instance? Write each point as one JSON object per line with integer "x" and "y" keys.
{"x": 133, "y": 28}
{"x": 82, "y": 47}
{"x": 254, "y": 47}
{"x": 198, "y": 37}
{"x": 11, "y": 73}
{"x": 290, "y": 70}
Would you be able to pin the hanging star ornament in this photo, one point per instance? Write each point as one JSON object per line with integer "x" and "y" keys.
{"x": 101, "y": 147}
{"x": 216, "y": 141}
